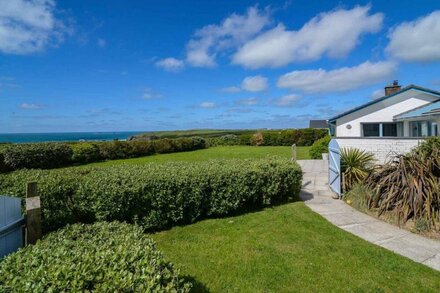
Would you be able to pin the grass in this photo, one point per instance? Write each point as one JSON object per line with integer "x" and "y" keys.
{"x": 288, "y": 248}
{"x": 223, "y": 152}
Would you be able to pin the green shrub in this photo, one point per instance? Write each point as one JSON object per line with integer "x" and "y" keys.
{"x": 163, "y": 146}
{"x": 157, "y": 195}
{"x": 356, "y": 166}
{"x": 84, "y": 153}
{"x": 112, "y": 150}
{"x": 37, "y": 155}
{"x": 3, "y": 167}
{"x": 319, "y": 147}
{"x": 359, "y": 197}
{"x": 103, "y": 257}
{"x": 142, "y": 148}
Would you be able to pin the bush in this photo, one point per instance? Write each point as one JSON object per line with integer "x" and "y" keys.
{"x": 84, "y": 153}
{"x": 257, "y": 139}
{"x": 37, "y": 155}
{"x": 356, "y": 166}
{"x": 319, "y": 147}
{"x": 103, "y": 257}
{"x": 359, "y": 197}
{"x": 3, "y": 167}
{"x": 409, "y": 186}
{"x": 157, "y": 195}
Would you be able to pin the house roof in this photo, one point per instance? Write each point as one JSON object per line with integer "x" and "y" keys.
{"x": 432, "y": 109}
{"x": 407, "y": 88}
{"x": 318, "y": 124}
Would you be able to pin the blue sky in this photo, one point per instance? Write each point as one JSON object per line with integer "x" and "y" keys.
{"x": 83, "y": 65}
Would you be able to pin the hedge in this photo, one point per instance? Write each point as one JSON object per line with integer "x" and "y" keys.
{"x": 319, "y": 147}
{"x": 157, "y": 196}
{"x": 37, "y": 155}
{"x": 103, "y": 257}
{"x": 300, "y": 137}
{"x": 54, "y": 155}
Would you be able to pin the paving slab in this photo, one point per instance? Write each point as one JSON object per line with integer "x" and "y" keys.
{"x": 317, "y": 196}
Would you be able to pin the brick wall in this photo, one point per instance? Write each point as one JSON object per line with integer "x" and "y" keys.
{"x": 382, "y": 148}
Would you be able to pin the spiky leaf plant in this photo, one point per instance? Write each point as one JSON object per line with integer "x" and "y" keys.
{"x": 356, "y": 165}
{"x": 408, "y": 186}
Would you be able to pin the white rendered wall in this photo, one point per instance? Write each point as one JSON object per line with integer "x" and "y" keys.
{"x": 382, "y": 148}
{"x": 383, "y": 111}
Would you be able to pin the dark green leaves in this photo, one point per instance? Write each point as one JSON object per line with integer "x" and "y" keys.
{"x": 103, "y": 257}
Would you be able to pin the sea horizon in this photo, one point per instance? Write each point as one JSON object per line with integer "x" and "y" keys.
{"x": 66, "y": 136}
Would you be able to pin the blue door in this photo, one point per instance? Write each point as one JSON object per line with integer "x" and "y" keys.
{"x": 11, "y": 225}
{"x": 334, "y": 167}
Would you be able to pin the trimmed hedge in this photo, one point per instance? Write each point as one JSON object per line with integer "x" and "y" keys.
{"x": 54, "y": 155}
{"x": 103, "y": 257}
{"x": 157, "y": 195}
{"x": 37, "y": 155}
{"x": 300, "y": 137}
{"x": 319, "y": 147}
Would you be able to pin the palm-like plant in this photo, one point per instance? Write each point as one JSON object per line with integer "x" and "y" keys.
{"x": 356, "y": 165}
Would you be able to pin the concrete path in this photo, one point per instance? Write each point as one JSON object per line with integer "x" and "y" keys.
{"x": 317, "y": 195}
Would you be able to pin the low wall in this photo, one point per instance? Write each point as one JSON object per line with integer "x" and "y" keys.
{"x": 382, "y": 148}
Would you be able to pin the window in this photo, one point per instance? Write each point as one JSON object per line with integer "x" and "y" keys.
{"x": 423, "y": 128}
{"x": 385, "y": 129}
{"x": 371, "y": 129}
{"x": 389, "y": 129}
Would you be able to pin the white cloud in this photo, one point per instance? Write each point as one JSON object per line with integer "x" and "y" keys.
{"x": 28, "y": 26}
{"x": 334, "y": 33}
{"x": 101, "y": 43}
{"x": 287, "y": 101}
{"x": 418, "y": 40}
{"x": 256, "y": 83}
{"x": 235, "y": 30}
{"x": 170, "y": 64}
{"x": 207, "y": 105}
{"x": 338, "y": 80}
{"x": 28, "y": 106}
{"x": 231, "y": 89}
{"x": 149, "y": 94}
{"x": 377, "y": 94}
{"x": 248, "y": 102}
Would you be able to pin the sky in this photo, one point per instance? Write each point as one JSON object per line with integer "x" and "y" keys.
{"x": 89, "y": 65}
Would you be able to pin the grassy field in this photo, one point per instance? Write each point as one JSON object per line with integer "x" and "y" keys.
{"x": 288, "y": 248}
{"x": 223, "y": 152}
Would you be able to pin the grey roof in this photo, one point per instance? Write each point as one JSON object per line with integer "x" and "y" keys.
{"x": 318, "y": 124}
{"x": 407, "y": 88}
{"x": 432, "y": 109}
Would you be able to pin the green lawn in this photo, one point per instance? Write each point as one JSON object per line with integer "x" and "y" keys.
{"x": 288, "y": 248}
{"x": 224, "y": 152}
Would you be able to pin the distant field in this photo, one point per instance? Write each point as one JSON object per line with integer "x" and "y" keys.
{"x": 223, "y": 152}
{"x": 198, "y": 132}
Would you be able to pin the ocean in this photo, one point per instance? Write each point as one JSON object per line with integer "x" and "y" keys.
{"x": 65, "y": 136}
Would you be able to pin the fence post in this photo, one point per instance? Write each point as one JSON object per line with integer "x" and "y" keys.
{"x": 33, "y": 214}
{"x": 293, "y": 152}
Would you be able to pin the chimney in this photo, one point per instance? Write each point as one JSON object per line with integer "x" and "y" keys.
{"x": 393, "y": 88}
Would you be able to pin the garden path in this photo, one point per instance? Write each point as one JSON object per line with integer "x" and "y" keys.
{"x": 317, "y": 195}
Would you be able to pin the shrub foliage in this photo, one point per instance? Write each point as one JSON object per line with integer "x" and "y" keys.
{"x": 157, "y": 196}
{"x": 37, "y": 155}
{"x": 53, "y": 155}
{"x": 103, "y": 257}
{"x": 319, "y": 147}
{"x": 409, "y": 184}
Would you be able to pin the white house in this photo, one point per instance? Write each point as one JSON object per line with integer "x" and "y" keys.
{"x": 392, "y": 124}
{"x": 412, "y": 111}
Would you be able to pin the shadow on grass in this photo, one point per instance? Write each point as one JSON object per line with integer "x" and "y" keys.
{"x": 198, "y": 287}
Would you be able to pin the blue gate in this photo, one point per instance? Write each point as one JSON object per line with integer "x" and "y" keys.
{"x": 11, "y": 225}
{"x": 334, "y": 167}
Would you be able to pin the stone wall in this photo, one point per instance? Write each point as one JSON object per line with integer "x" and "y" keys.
{"x": 382, "y": 148}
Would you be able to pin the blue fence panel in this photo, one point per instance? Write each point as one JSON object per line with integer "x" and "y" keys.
{"x": 11, "y": 225}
